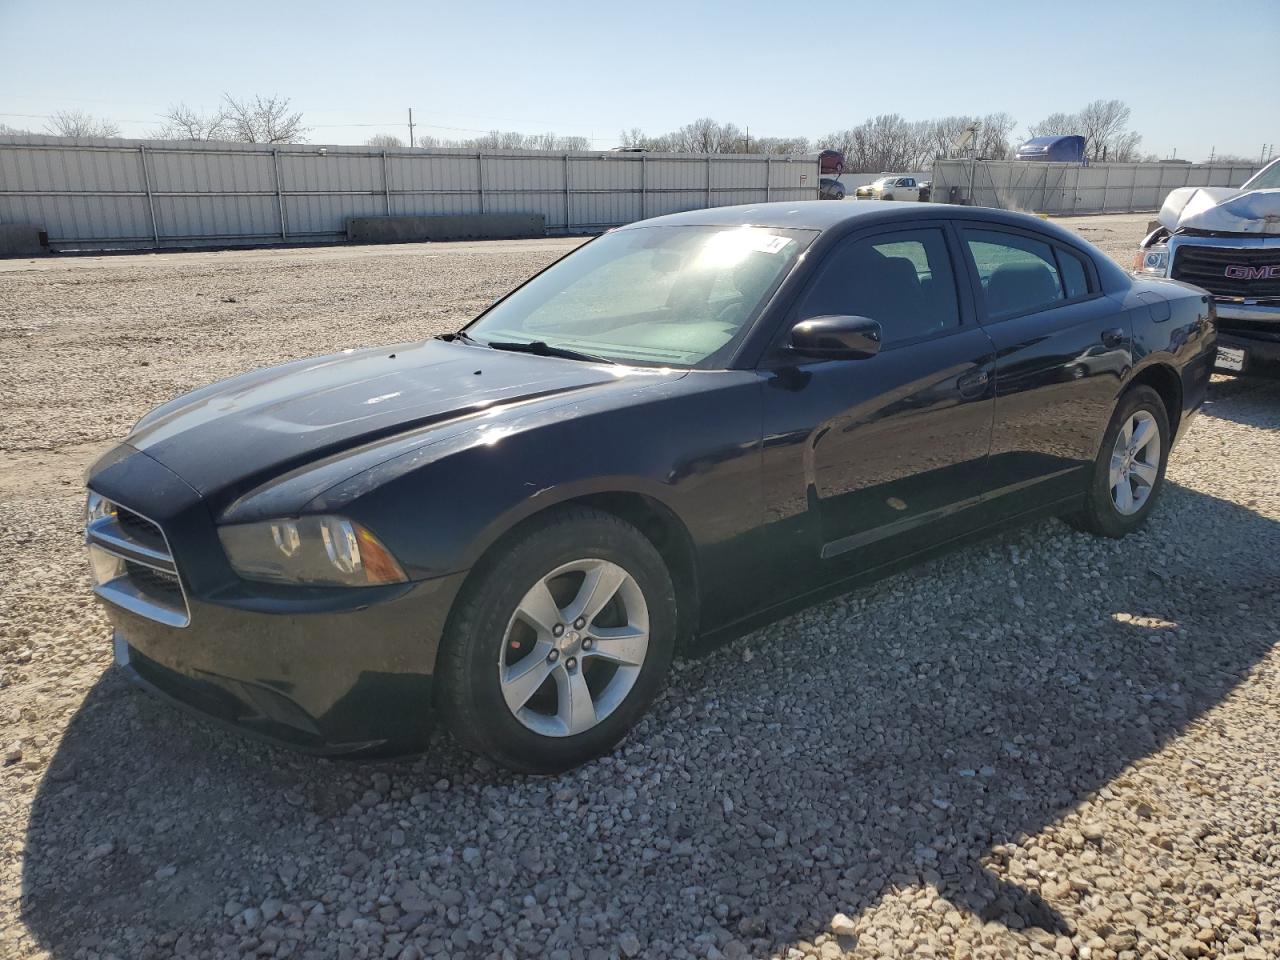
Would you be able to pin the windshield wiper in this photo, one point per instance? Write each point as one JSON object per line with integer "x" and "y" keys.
{"x": 541, "y": 348}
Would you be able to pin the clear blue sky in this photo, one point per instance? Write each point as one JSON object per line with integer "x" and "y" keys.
{"x": 1197, "y": 75}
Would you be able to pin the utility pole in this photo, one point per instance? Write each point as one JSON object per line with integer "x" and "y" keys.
{"x": 1213, "y": 151}
{"x": 411, "y": 126}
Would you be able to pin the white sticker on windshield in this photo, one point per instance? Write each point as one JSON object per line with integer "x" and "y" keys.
{"x": 769, "y": 242}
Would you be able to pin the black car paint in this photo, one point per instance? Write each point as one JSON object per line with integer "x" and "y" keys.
{"x": 779, "y": 479}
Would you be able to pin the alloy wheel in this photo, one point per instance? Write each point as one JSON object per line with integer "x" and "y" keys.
{"x": 574, "y": 647}
{"x": 1135, "y": 462}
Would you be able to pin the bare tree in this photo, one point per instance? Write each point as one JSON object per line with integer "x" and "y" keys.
{"x": 77, "y": 123}
{"x": 1103, "y": 124}
{"x": 263, "y": 120}
{"x": 994, "y": 135}
{"x": 705, "y": 135}
{"x": 1124, "y": 148}
{"x": 386, "y": 141}
{"x": 636, "y": 139}
{"x": 181, "y": 122}
{"x": 1234, "y": 159}
{"x": 1056, "y": 125}
{"x": 779, "y": 146}
{"x": 8, "y": 131}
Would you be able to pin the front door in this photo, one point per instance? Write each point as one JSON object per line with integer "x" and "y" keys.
{"x": 868, "y": 460}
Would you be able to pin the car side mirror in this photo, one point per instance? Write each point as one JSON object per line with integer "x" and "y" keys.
{"x": 837, "y": 338}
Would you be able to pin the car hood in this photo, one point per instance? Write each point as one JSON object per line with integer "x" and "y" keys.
{"x": 1222, "y": 210}
{"x": 235, "y": 434}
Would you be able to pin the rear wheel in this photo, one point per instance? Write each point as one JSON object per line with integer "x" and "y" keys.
{"x": 1129, "y": 471}
{"x": 560, "y": 643}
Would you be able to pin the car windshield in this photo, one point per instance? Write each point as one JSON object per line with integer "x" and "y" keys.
{"x": 664, "y": 296}
{"x": 1266, "y": 179}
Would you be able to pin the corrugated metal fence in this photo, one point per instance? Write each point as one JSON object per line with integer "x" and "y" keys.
{"x": 1064, "y": 188}
{"x": 145, "y": 193}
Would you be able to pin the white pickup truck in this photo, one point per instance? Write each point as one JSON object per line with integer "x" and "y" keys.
{"x": 892, "y": 187}
{"x": 1226, "y": 240}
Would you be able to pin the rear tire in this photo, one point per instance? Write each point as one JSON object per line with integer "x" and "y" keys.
{"x": 512, "y": 670}
{"x": 1128, "y": 473}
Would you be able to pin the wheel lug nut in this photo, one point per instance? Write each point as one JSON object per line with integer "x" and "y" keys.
{"x": 557, "y": 630}
{"x": 588, "y": 643}
{"x": 580, "y": 622}
{"x": 571, "y": 663}
{"x": 553, "y": 656}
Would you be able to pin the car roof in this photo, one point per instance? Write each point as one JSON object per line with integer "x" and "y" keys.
{"x": 827, "y": 215}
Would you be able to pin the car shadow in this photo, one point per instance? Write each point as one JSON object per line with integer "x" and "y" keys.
{"x": 944, "y": 740}
{"x": 1244, "y": 400}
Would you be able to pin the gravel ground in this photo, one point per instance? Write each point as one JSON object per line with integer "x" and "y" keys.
{"x": 1041, "y": 745}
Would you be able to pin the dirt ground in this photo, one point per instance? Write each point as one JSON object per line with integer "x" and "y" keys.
{"x": 1042, "y": 745}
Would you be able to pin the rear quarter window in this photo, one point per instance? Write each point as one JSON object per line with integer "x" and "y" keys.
{"x": 1075, "y": 278}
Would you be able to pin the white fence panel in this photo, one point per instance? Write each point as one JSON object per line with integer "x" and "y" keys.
{"x": 1063, "y": 188}
{"x": 97, "y": 193}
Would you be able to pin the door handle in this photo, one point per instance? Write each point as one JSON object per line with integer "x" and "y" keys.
{"x": 1113, "y": 337}
{"x": 974, "y": 384}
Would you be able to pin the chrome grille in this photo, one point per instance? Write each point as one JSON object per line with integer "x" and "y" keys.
{"x": 132, "y": 564}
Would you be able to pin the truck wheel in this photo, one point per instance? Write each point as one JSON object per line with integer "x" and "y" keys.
{"x": 560, "y": 642}
{"x": 1128, "y": 473}
{"x": 887, "y": 196}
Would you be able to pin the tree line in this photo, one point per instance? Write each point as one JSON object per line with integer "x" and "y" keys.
{"x": 885, "y": 142}
{"x": 892, "y": 142}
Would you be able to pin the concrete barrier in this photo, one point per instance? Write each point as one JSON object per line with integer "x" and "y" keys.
{"x": 22, "y": 240}
{"x": 467, "y": 226}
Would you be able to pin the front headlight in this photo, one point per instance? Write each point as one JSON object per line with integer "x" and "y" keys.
{"x": 1153, "y": 261}
{"x": 96, "y": 507}
{"x": 322, "y": 550}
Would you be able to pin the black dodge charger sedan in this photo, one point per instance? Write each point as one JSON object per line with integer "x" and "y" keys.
{"x": 681, "y": 430}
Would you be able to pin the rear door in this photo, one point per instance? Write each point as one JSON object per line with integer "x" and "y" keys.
{"x": 1062, "y": 350}
{"x": 871, "y": 459}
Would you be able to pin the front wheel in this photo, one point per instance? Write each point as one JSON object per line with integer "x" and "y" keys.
{"x": 1129, "y": 471}
{"x": 560, "y": 642}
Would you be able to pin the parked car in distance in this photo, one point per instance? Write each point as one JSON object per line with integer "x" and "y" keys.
{"x": 1053, "y": 149}
{"x": 682, "y": 430}
{"x": 890, "y": 188}
{"x": 829, "y": 189}
{"x": 1226, "y": 240}
{"x": 926, "y": 191}
{"x": 831, "y": 162}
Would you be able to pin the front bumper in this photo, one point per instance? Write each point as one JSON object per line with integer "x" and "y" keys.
{"x": 1253, "y": 328}
{"x": 330, "y": 682}
{"x": 1262, "y": 352}
{"x": 331, "y": 670}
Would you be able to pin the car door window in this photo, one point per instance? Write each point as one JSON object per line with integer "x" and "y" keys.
{"x": 1019, "y": 275}
{"x": 903, "y": 280}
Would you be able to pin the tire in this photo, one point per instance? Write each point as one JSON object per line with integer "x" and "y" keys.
{"x": 494, "y": 658}
{"x": 887, "y": 197}
{"x": 1106, "y": 512}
